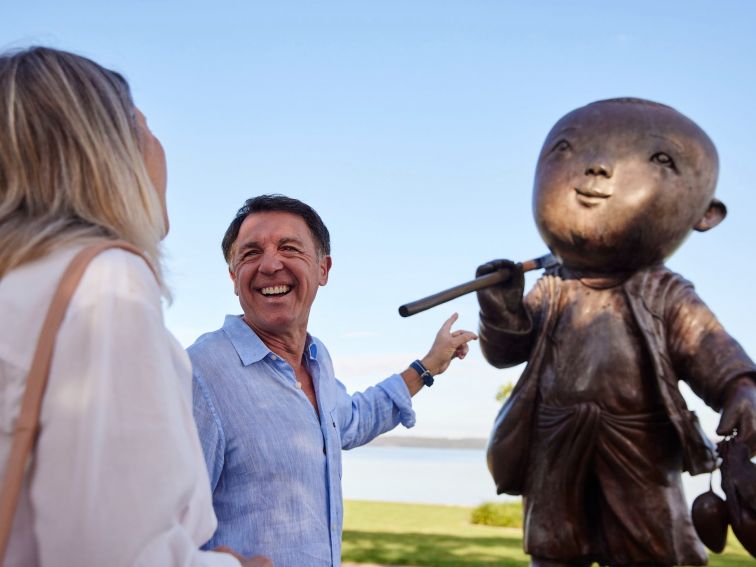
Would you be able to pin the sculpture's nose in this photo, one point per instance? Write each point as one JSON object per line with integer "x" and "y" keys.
{"x": 599, "y": 168}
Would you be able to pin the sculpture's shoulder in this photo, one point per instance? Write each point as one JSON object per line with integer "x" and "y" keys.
{"x": 657, "y": 286}
{"x": 546, "y": 288}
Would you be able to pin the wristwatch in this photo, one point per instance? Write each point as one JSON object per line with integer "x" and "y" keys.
{"x": 424, "y": 373}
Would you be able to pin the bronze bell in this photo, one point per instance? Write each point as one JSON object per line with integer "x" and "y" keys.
{"x": 710, "y": 518}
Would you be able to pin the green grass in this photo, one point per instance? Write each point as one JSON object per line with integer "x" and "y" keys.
{"x": 443, "y": 536}
{"x": 501, "y": 514}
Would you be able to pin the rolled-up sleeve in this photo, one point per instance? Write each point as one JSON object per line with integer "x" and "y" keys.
{"x": 365, "y": 415}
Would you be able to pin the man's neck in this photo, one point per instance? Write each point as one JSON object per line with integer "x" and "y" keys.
{"x": 289, "y": 346}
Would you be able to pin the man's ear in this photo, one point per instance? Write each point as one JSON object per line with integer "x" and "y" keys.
{"x": 233, "y": 279}
{"x": 325, "y": 267}
{"x": 712, "y": 217}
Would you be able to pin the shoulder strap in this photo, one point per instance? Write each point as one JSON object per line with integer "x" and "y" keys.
{"x": 27, "y": 424}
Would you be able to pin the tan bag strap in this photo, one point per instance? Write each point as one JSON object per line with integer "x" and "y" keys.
{"x": 27, "y": 425}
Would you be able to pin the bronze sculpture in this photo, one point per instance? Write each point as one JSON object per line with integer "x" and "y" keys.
{"x": 596, "y": 433}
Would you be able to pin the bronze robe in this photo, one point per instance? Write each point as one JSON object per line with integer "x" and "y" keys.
{"x": 603, "y": 475}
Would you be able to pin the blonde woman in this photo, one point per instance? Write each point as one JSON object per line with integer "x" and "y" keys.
{"x": 117, "y": 476}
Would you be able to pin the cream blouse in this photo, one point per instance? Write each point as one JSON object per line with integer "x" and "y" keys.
{"x": 118, "y": 476}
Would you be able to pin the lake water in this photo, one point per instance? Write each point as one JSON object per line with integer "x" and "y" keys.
{"x": 436, "y": 476}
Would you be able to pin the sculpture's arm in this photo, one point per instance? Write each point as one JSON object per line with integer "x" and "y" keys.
{"x": 507, "y": 331}
{"x": 713, "y": 363}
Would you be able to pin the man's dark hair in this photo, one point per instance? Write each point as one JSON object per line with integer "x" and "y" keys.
{"x": 283, "y": 204}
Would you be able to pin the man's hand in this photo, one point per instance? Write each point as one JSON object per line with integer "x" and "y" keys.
{"x": 506, "y": 297}
{"x": 739, "y": 411}
{"x": 256, "y": 561}
{"x": 447, "y": 346}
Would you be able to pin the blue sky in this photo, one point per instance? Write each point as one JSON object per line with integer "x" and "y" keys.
{"x": 413, "y": 128}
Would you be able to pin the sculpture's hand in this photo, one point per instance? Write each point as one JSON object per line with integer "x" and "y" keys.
{"x": 505, "y": 297}
{"x": 739, "y": 411}
{"x": 447, "y": 346}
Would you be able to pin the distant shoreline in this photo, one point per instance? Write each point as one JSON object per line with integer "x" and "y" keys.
{"x": 429, "y": 442}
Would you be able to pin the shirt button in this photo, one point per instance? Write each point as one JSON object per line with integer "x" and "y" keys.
{"x": 299, "y": 385}
{"x": 273, "y": 357}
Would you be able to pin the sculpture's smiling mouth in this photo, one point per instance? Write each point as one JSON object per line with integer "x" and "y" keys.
{"x": 590, "y": 197}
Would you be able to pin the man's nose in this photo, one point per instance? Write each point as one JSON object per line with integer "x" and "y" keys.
{"x": 270, "y": 263}
{"x": 599, "y": 167}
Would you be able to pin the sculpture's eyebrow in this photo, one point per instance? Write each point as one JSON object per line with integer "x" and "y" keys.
{"x": 678, "y": 146}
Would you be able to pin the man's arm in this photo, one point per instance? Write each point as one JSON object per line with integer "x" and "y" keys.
{"x": 213, "y": 442}
{"x": 210, "y": 430}
{"x": 365, "y": 415}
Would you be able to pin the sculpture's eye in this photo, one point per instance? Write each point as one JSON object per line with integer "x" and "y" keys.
{"x": 665, "y": 160}
{"x": 561, "y": 146}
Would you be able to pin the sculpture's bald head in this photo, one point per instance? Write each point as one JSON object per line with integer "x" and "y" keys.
{"x": 620, "y": 183}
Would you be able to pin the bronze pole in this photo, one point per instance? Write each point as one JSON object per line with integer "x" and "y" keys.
{"x": 482, "y": 282}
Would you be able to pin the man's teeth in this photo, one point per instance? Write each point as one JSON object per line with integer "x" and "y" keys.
{"x": 275, "y": 290}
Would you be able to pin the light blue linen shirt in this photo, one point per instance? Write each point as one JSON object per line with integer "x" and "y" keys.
{"x": 275, "y": 467}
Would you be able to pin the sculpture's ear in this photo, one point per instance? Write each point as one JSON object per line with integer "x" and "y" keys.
{"x": 712, "y": 217}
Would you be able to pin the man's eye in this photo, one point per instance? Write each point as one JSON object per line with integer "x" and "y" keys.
{"x": 561, "y": 146}
{"x": 664, "y": 160}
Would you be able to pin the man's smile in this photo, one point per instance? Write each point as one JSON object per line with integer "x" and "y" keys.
{"x": 276, "y": 290}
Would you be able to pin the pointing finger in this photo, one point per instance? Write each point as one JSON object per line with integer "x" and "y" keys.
{"x": 446, "y": 327}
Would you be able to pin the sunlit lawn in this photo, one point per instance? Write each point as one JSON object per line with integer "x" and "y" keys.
{"x": 430, "y": 536}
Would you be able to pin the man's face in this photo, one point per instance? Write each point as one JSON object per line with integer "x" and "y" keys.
{"x": 276, "y": 270}
{"x": 619, "y": 185}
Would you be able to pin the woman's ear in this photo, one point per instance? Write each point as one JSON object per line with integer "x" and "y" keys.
{"x": 712, "y": 217}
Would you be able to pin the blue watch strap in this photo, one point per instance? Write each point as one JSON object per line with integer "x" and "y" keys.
{"x": 424, "y": 373}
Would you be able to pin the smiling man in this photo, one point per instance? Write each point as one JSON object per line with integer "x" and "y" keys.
{"x": 272, "y": 417}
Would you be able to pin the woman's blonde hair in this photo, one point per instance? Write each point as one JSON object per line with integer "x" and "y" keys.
{"x": 71, "y": 169}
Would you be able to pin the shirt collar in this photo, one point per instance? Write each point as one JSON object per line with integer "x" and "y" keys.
{"x": 311, "y": 347}
{"x": 250, "y": 347}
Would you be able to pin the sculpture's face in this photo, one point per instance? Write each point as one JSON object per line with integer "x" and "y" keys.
{"x": 619, "y": 185}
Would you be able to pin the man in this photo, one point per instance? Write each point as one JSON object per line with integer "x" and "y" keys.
{"x": 271, "y": 415}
